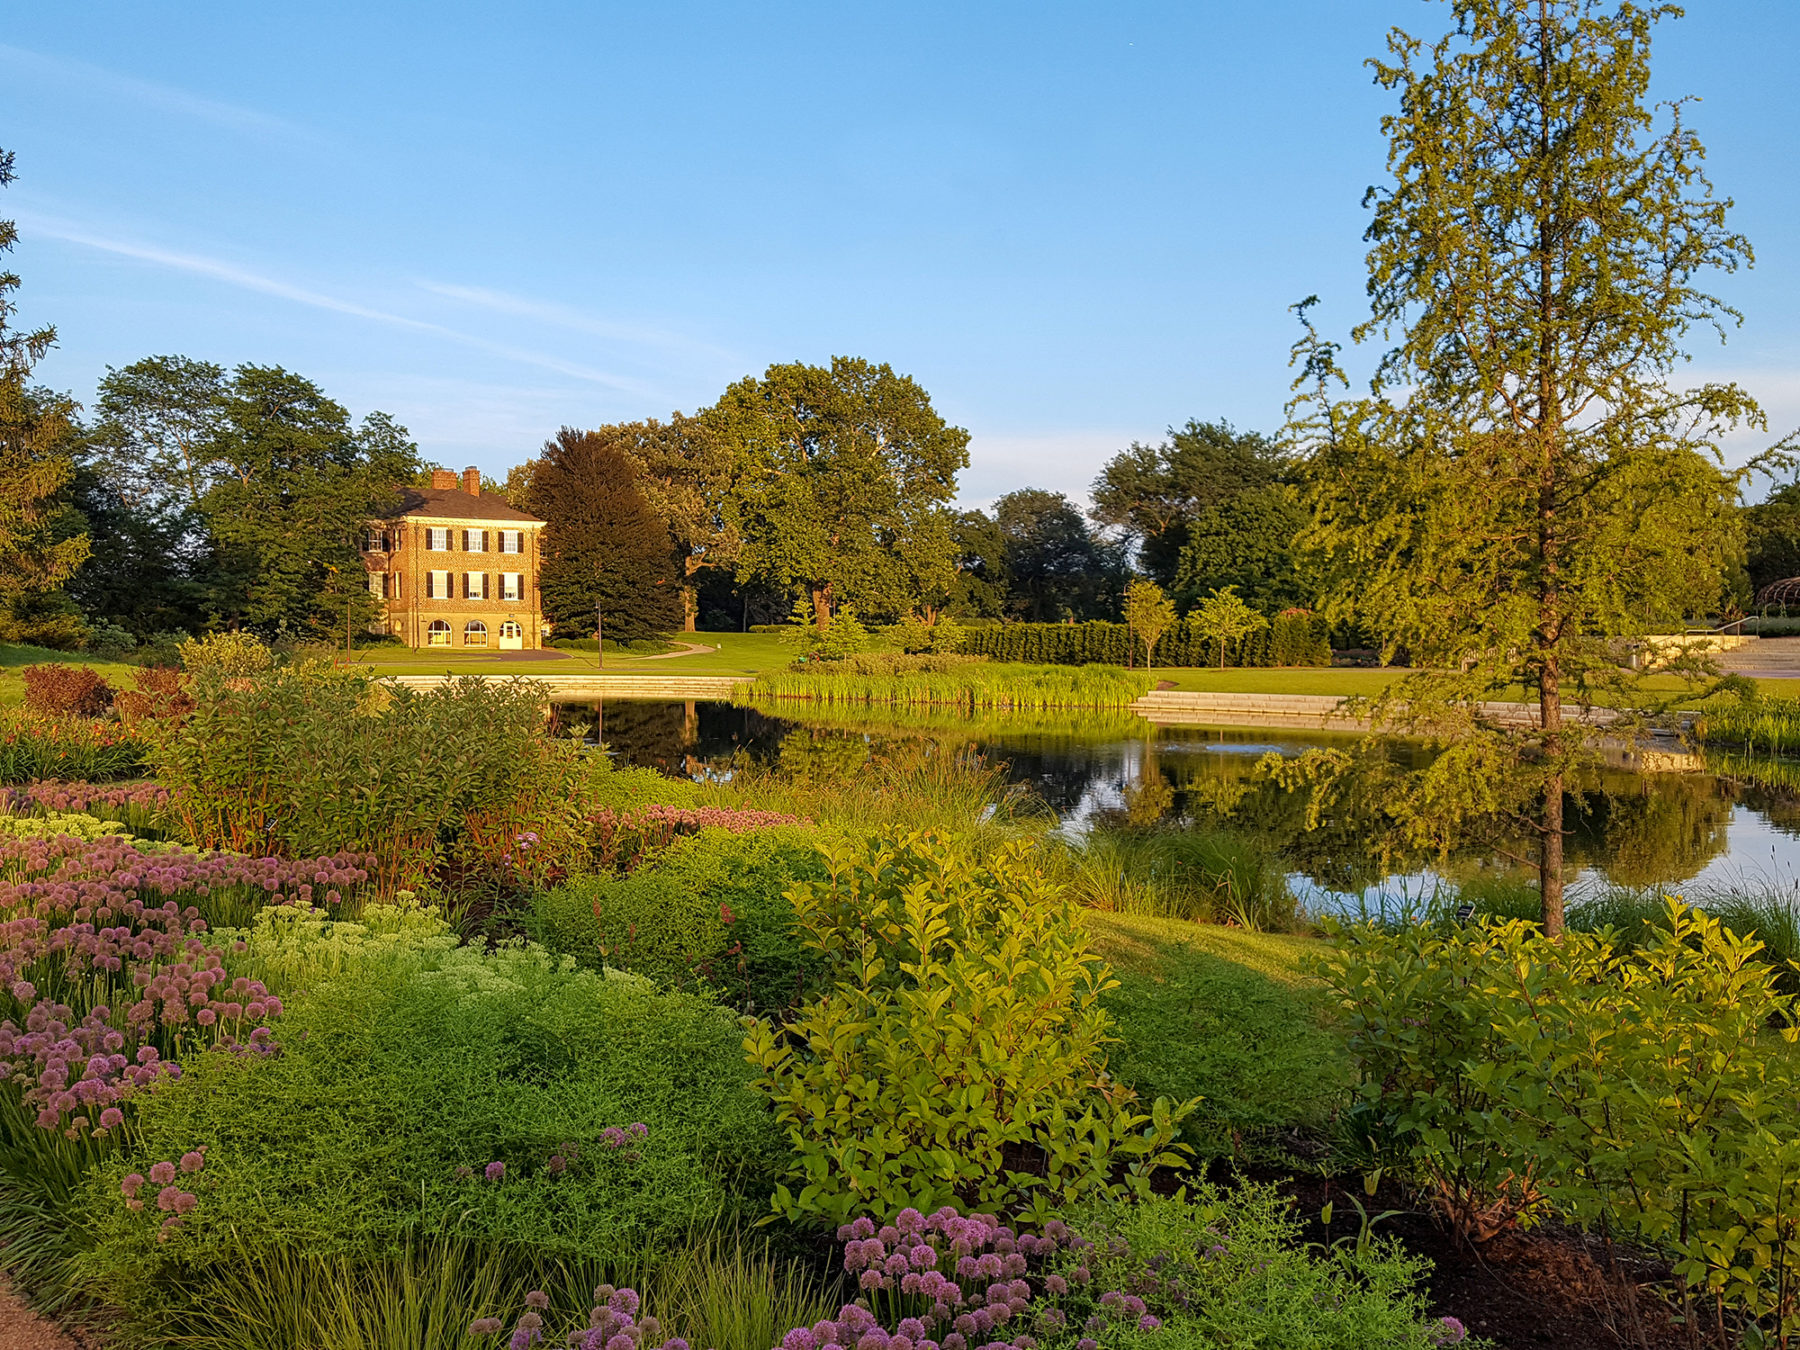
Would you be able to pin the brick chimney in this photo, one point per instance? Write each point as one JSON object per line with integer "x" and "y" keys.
{"x": 472, "y": 481}
{"x": 442, "y": 478}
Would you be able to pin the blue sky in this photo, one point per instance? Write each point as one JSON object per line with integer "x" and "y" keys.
{"x": 1074, "y": 224}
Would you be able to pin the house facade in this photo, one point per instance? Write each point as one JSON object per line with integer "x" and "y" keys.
{"x": 456, "y": 567}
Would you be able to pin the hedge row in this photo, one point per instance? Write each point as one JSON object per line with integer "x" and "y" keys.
{"x": 1289, "y": 640}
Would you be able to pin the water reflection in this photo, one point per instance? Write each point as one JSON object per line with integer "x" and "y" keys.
{"x": 1726, "y": 822}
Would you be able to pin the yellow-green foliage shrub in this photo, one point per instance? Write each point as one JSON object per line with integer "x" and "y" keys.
{"x": 960, "y": 1057}
{"x": 50, "y": 826}
{"x": 227, "y": 654}
{"x": 1647, "y": 1089}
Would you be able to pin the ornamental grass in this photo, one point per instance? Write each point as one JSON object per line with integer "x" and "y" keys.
{"x": 972, "y": 685}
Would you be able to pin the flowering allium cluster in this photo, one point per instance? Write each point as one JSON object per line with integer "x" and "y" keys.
{"x": 171, "y": 1199}
{"x": 962, "y": 1280}
{"x": 52, "y": 794}
{"x": 615, "y": 1137}
{"x": 613, "y": 1324}
{"x": 75, "y": 1068}
{"x": 58, "y": 875}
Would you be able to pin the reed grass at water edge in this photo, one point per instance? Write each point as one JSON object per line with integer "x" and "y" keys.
{"x": 974, "y": 685}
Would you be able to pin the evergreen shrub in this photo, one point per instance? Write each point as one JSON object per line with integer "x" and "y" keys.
{"x": 1293, "y": 638}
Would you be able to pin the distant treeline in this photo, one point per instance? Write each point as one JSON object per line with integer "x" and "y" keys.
{"x": 1289, "y": 640}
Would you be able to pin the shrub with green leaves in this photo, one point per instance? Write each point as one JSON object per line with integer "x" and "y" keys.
{"x": 959, "y": 1057}
{"x": 505, "y": 1099}
{"x": 310, "y": 759}
{"x": 72, "y": 824}
{"x": 1218, "y": 1268}
{"x": 710, "y": 913}
{"x": 1645, "y": 1088}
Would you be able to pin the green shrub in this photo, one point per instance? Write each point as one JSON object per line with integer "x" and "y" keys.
{"x": 710, "y": 913}
{"x": 1292, "y": 638}
{"x": 228, "y": 655}
{"x": 348, "y": 1144}
{"x": 959, "y": 1056}
{"x": 1637, "y": 1088}
{"x": 311, "y": 759}
{"x": 1229, "y": 1269}
{"x": 626, "y": 788}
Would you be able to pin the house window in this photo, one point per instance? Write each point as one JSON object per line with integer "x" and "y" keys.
{"x": 475, "y": 541}
{"x": 511, "y": 632}
{"x": 475, "y": 633}
{"x": 512, "y": 585}
{"x": 512, "y": 541}
{"x": 437, "y": 540}
{"x": 376, "y": 541}
{"x": 438, "y": 587}
{"x": 378, "y": 585}
{"x": 438, "y": 635}
{"x": 475, "y": 585}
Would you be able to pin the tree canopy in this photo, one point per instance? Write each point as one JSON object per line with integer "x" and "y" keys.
{"x": 41, "y": 540}
{"x": 1155, "y": 493}
{"x": 1056, "y": 569}
{"x": 843, "y": 474}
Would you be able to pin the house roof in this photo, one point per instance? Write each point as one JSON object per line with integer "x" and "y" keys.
{"x": 455, "y": 504}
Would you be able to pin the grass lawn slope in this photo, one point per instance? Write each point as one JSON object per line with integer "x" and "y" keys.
{"x": 1228, "y": 1016}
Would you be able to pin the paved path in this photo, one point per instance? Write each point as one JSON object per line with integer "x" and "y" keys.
{"x": 22, "y": 1329}
{"x": 687, "y": 649}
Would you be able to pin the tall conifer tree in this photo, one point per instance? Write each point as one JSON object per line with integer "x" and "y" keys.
{"x": 1525, "y": 485}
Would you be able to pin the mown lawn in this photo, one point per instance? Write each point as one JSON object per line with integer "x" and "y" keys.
{"x": 1227, "y": 1016}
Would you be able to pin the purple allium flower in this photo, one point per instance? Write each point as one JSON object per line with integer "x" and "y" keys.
{"x": 558, "y": 1164}
{"x": 192, "y": 1162}
{"x": 1148, "y": 1322}
{"x": 638, "y": 1128}
{"x": 624, "y": 1301}
{"x": 1134, "y": 1306}
{"x": 494, "y": 1171}
{"x": 165, "y": 1198}
{"x": 162, "y": 1173}
{"x": 538, "y": 1299}
{"x": 1449, "y": 1331}
{"x": 132, "y": 1185}
{"x": 1056, "y": 1284}
{"x": 185, "y": 1202}
{"x": 1087, "y": 1343}
{"x": 800, "y": 1338}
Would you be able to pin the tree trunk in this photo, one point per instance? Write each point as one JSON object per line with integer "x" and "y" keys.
{"x": 821, "y": 598}
{"x": 1550, "y": 852}
{"x": 690, "y": 608}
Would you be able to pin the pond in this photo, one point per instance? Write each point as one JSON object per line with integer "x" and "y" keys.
{"x": 1701, "y": 824}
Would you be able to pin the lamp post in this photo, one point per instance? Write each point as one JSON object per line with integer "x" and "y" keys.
{"x": 599, "y": 639}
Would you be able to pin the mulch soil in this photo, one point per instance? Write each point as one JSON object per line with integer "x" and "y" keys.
{"x": 1547, "y": 1289}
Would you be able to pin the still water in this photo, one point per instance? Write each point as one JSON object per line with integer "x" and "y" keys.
{"x": 1700, "y": 825}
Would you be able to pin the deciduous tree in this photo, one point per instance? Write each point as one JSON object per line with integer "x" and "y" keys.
{"x": 1154, "y": 493}
{"x": 41, "y": 541}
{"x": 1056, "y": 567}
{"x": 1225, "y": 618}
{"x": 295, "y": 489}
{"x": 1525, "y": 484}
{"x": 1150, "y": 614}
{"x": 843, "y": 475}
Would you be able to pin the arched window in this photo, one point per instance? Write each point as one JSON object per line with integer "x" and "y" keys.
{"x": 438, "y": 635}
{"x": 475, "y": 633}
{"x": 512, "y": 637}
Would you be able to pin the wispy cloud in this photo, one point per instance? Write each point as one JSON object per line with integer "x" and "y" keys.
{"x": 234, "y": 275}
{"x": 566, "y": 316}
{"x": 110, "y": 83}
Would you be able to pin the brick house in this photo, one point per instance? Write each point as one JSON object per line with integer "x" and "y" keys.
{"x": 456, "y": 567}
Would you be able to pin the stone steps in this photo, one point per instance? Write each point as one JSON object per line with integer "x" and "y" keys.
{"x": 1175, "y": 707}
